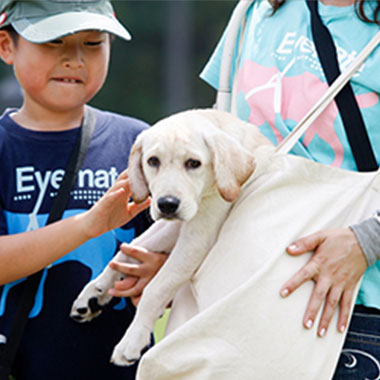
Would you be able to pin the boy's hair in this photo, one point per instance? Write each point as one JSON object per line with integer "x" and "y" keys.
{"x": 40, "y": 21}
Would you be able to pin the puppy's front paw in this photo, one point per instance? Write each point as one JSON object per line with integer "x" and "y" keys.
{"x": 132, "y": 346}
{"x": 90, "y": 301}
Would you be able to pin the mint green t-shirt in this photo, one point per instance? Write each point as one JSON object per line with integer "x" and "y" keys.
{"x": 278, "y": 78}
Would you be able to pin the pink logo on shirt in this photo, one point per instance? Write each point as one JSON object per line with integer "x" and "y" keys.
{"x": 293, "y": 96}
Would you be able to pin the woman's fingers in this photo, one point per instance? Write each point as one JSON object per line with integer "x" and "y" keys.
{"x": 336, "y": 267}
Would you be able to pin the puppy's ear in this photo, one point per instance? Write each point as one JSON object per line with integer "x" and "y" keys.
{"x": 232, "y": 164}
{"x": 139, "y": 186}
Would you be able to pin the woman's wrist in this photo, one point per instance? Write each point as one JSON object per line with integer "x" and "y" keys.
{"x": 368, "y": 235}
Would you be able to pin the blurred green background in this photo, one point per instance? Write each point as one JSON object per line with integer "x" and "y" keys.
{"x": 157, "y": 73}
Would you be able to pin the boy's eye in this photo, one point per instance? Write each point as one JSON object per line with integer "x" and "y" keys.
{"x": 56, "y": 42}
{"x": 87, "y": 43}
{"x": 93, "y": 43}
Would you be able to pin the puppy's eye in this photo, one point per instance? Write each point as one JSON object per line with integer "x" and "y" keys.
{"x": 192, "y": 164}
{"x": 154, "y": 162}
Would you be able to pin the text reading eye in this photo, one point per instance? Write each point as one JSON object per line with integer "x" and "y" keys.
{"x": 192, "y": 164}
{"x": 153, "y": 162}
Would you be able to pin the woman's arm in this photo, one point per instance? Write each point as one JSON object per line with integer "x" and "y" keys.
{"x": 368, "y": 235}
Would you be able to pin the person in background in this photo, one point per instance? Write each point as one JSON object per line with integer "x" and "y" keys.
{"x": 60, "y": 54}
{"x": 277, "y": 79}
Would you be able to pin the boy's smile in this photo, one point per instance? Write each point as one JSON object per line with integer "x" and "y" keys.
{"x": 68, "y": 80}
{"x": 61, "y": 75}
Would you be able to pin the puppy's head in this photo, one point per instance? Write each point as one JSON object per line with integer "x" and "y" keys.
{"x": 182, "y": 159}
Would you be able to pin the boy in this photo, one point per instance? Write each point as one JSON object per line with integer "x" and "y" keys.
{"x": 60, "y": 52}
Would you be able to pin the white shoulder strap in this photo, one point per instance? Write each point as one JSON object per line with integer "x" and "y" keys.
{"x": 223, "y": 97}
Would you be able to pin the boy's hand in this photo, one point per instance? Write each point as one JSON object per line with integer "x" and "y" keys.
{"x": 336, "y": 267}
{"x": 139, "y": 275}
{"x": 113, "y": 209}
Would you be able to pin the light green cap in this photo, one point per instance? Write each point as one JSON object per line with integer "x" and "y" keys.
{"x": 40, "y": 21}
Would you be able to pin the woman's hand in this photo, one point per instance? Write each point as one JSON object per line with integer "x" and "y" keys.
{"x": 138, "y": 275}
{"x": 336, "y": 267}
{"x": 113, "y": 209}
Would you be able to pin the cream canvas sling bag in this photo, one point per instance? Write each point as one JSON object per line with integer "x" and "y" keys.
{"x": 230, "y": 323}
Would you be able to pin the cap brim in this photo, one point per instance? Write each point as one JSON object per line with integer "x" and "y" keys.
{"x": 58, "y": 26}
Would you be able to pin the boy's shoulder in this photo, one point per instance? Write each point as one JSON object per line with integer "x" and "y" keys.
{"x": 113, "y": 129}
{"x": 118, "y": 121}
{"x": 4, "y": 116}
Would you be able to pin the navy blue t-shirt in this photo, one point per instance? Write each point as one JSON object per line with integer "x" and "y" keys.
{"x": 32, "y": 165}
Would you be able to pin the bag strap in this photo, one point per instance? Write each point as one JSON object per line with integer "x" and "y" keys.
{"x": 223, "y": 96}
{"x": 31, "y": 284}
{"x": 348, "y": 107}
{"x": 288, "y": 143}
{"x": 75, "y": 163}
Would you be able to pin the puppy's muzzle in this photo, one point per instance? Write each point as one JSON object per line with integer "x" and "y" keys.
{"x": 168, "y": 205}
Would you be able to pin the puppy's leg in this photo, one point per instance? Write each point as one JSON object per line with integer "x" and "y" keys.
{"x": 195, "y": 239}
{"x": 160, "y": 237}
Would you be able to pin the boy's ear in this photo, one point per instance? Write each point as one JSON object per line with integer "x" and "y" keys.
{"x": 7, "y": 47}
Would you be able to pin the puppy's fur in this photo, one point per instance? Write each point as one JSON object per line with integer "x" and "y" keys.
{"x": 193, "y": 165}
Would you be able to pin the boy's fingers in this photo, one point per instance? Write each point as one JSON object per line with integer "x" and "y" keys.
{"x": 120, "y": 184}
{"x": 123, "y": 175}
{"x": 151, "y": 262}
{"x": 136, "y": 208}
{"x": 120, "y": 289}
{"x": 125, "y": 184}
{"x": 135, "y": 252}
{"x": 126, "y": 284}
{"x": 133, "y": 270}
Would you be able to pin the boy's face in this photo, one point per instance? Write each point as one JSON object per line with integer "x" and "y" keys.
{"x": 61, "y": 75}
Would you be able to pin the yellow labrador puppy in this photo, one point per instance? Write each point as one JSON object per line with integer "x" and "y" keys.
{"x": 193, "y": 165}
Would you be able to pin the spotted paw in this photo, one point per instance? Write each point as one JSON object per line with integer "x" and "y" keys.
{"x": 89, "y": 303}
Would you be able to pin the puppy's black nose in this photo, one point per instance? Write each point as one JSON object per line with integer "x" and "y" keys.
{"x": 168, "y": 205}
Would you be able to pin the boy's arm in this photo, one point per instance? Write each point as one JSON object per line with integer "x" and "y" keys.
{"x": 26, "y": 253}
